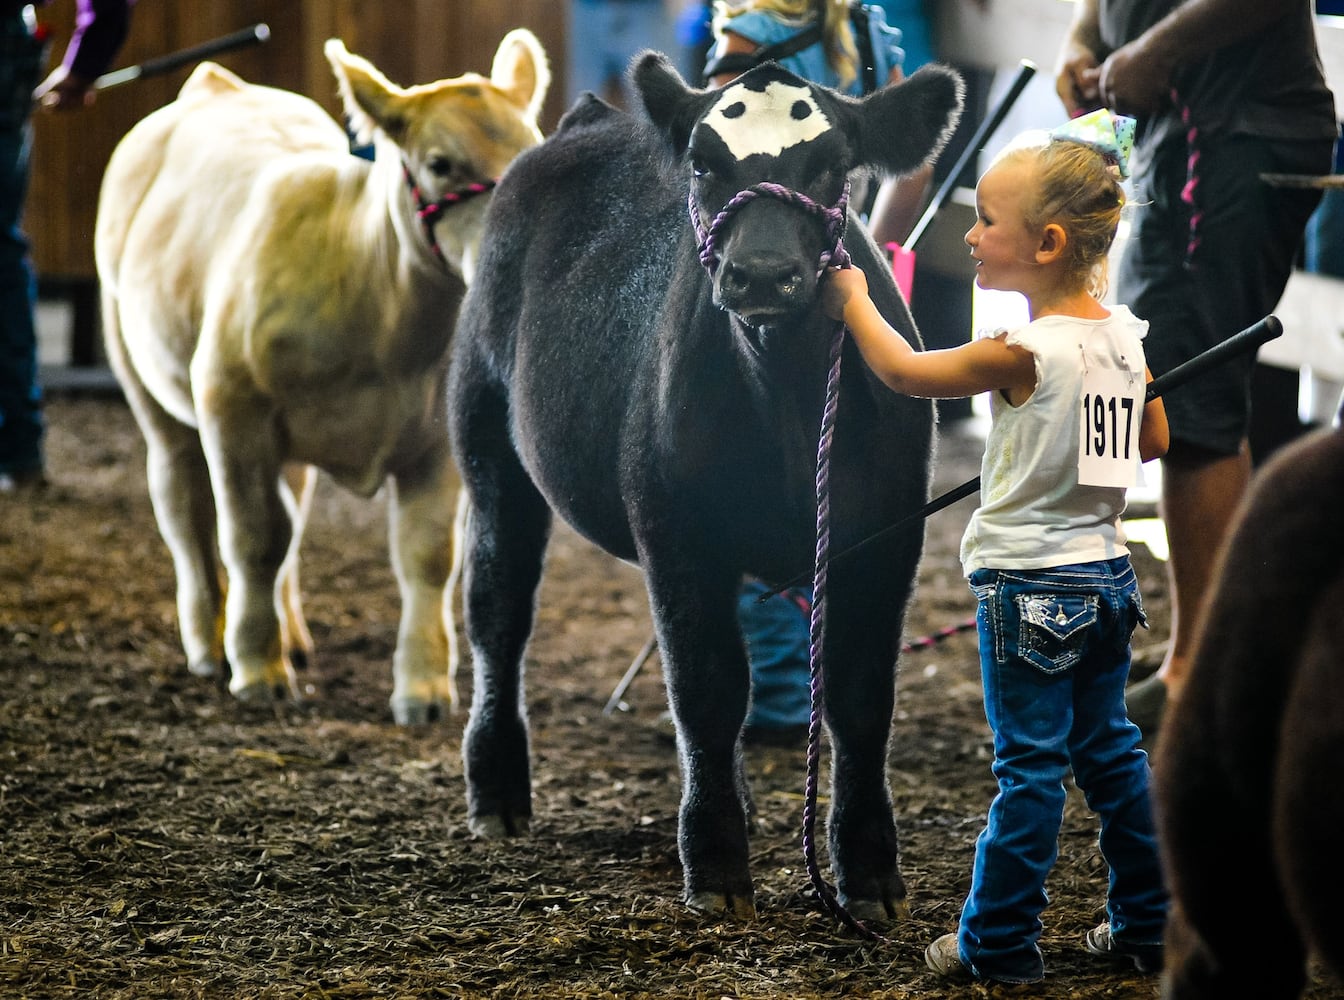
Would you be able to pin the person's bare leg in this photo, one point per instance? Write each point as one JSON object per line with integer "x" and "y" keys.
{"x": 1200, "y": 494}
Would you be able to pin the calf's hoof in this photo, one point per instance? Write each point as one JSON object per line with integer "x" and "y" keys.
{"x": 499, "y": 827}
{"x": 265, "y": 693}
{"x": 418, "y": 711}
{"x": 876, "y": 911}
{"x": 741, "y": 907}
{"x": 206, "y": 666}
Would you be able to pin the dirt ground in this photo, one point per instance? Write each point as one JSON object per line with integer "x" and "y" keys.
{"x": 158, "y": 841}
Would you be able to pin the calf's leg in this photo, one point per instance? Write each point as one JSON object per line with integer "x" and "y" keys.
{"x": 862, "y": 639}
{"x": 240, "y": 439}
{"x": 708, "y": 681}
{"x": 504, "y": 542}
{"x": 295, "y": 639}
{"x": 421, "y": 516}
{"x": 179, "y": 488}
{"x": 1229, "y": 932}
{"x": 1308, "y": 806}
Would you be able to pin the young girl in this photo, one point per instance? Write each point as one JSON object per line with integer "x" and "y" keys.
{"x": 1045, "y": 552}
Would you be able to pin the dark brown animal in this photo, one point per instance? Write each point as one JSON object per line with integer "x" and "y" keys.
{"x": 1249, "y": 772}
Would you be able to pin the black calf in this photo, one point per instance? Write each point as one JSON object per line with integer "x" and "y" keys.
{"x": 673, "y": 419}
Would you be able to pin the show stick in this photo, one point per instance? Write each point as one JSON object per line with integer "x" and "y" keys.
{"x": 254, "y": 35}
{"x": 1246, "y": 341}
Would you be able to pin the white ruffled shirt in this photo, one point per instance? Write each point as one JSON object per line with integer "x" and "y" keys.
{"x": 1033, "y": 512}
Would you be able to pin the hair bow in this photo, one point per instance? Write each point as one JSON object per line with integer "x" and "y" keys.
{"x": 1109, "y": 134}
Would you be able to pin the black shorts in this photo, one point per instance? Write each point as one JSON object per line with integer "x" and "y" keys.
{"x": 1203, "y": 269}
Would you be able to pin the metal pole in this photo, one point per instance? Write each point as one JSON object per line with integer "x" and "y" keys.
{"x": 1247, "y": 340}
{"x": 985, "y": 130}
{"x": 254, "y": 35}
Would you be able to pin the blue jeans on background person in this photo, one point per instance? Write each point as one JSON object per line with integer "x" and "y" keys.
{"x": 1054, "y": 657}
{"x": 604, "y": 35}
{"x": 778, "y": 638}
{"x": 21, "y": 423}
{"x": 1323, "y": 241}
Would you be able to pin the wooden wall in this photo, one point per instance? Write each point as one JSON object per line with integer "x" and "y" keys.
{"x": 411, "y": 41}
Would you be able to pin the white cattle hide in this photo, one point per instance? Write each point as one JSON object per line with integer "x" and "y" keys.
{"x": 273, "y": 304}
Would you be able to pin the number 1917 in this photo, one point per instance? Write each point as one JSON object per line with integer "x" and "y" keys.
{"x": 1108, "y": 426}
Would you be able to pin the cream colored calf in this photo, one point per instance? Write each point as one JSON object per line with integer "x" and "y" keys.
{"x": 273, "y": 304}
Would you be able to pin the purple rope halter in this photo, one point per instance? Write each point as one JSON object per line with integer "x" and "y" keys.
{"x": 429, "y": 212}
{"x": 835, "y": 219}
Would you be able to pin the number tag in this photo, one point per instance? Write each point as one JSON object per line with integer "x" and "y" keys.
{"x": 1108, "y": 429}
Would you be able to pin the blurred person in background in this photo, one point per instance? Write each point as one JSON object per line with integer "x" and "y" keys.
{"x": 100, "y": 30}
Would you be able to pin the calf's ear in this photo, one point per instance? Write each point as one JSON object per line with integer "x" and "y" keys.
{"x": 370, "y": 100}
{"x": 670, "y": 104}
{"x": 901, "y": 127}
{"x": 521, "y": 71}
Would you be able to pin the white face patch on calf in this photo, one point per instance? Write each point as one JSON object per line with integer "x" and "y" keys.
{"x": 765, "y": 121}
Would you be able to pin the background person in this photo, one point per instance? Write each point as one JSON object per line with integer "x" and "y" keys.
{"x": 1223, "y": 90}
{"x": 604, "y": 35}
{"x": 100, "y": 29}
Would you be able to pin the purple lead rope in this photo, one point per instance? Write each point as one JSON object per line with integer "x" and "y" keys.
{"x": 816, "y": 628}
{"x": 835, "y": 218}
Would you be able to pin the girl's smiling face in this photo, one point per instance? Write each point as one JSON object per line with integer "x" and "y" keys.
{"x": 1002, "y": 245}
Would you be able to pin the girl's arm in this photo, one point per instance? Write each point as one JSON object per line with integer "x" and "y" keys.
{"x": 980, "y": 366}
{"x": 1154, "y": 435}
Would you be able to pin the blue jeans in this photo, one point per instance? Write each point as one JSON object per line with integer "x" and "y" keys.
{"x": 1054, "y": 658}
{"x": 21, "y": 424}
{"x": 605, "y": 35}
{"x": 1323, "y": 243}
{"x": 779, "y": 648}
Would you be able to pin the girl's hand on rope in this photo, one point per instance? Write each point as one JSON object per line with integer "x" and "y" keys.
{"x": 842, "y": 284}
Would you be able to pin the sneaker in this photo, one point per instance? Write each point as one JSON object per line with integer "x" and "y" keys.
{"x": 1147, "y": 958}
{"x": 782, "y": 737}
{"x": 943, "y": 957}
{"x": 28, "y": 481}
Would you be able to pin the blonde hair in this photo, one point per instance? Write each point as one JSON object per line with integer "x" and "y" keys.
{"x": 837, "y": 37}
{"x": 1079, "y": 189}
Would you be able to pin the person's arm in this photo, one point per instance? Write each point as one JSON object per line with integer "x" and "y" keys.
{"x": 898, "y": 205}
{"x": 1137, "y": 77}
{"x": 1078, "y": 65}
{"x": 981, "y": 365}
{"x": 100, "y": 29}
{"x": 1154, "y": 435}
{"x": 731, "y": 42}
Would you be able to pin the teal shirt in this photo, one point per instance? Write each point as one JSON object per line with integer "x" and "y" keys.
{"x": 765, "y": 28}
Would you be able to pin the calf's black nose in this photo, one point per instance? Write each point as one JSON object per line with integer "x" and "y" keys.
{"x": 764, "y": 282}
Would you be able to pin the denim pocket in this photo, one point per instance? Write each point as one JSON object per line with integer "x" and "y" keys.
{"x": 1140, "y": 616}
{"x": 1052, "y": 629}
